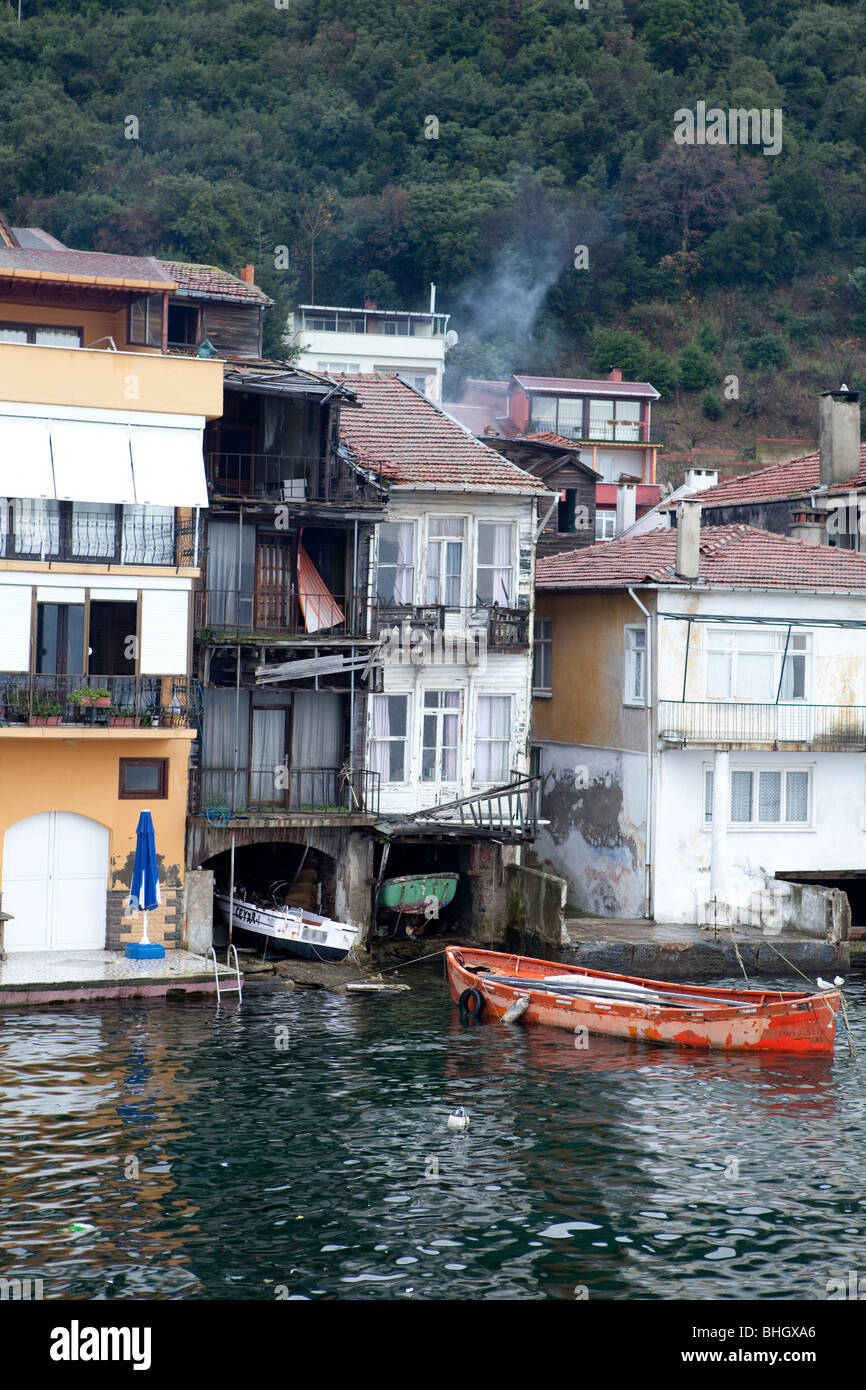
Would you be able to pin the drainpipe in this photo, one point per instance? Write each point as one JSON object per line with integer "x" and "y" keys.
{"x": 649, "y": 755}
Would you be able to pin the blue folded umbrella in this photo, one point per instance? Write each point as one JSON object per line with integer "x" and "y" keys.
{"x": 144, "y": 891}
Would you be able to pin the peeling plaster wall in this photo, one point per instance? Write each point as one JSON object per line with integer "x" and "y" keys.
{"x": 595, "y": 802}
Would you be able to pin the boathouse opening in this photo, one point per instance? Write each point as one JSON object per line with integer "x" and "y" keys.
{"x": 279, "y": 873}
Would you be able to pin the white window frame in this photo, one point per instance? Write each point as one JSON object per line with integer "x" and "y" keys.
{"x": 771, "y": 826}
{"x": 605, "y": 525}
{"x": 412, "y": 566}
{"x": 477, "y": 739}
{"x": 439, "y": 713}
{"x": 442, "y": 542}
{"x": 405, "y": 739}
{"x": 776, "y": 650}
{"x": 630, "y": 695}
{"x": 478, "y": 566}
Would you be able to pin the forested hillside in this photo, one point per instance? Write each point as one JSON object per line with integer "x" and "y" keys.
{"x": 392, "y": 143}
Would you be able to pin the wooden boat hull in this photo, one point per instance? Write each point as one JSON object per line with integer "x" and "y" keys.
{"x": 740, "y": 1020}
{"x": 412, "y": 893}
{"x": 293, "y": 932}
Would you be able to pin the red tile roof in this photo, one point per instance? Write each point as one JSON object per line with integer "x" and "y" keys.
{"x": 780, "y": 480}
{"x": 418, "y": 445}
{"x": 731, "y": 556}
{"x": 213, "y": 283}
{"x": 549, "y": 437}
{"x": 571, "y": 385}
{"x": 100, "y": 264}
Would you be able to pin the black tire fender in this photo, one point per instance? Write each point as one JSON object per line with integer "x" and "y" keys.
{"x": 471, "y": 1005}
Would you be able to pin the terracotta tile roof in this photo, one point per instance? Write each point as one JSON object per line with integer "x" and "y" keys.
{"x": 102, "y": 265}
{"x": 210, "y": 281}
{"x": 418, "y": 445}
{"x": 549, "y": 437}
{"x": 780, "y": 480}
{"x": 730, "y": 556}
{"x": 572, "y": 385}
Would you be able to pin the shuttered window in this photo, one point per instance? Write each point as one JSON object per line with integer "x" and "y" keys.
{"x": 164, "y": 623}
{"x": 15, "y": 609}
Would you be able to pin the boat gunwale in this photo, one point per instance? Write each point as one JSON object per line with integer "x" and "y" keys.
{"x": 771, "y": 1004}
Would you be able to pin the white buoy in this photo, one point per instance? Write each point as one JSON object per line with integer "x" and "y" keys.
{"x": 458, "y": 1120}
{"x": 516, "y": 1010}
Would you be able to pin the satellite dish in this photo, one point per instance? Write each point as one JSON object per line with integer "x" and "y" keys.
{"x": 451, "y": 338}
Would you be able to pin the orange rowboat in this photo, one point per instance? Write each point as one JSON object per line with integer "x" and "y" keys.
{"x": 488, "y": 985}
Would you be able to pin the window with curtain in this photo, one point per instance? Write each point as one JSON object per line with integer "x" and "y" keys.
{"x": 627, "y": 416}
{"x": 601, "y": 419}
{"x": 542, "y": 414}
{"x": 388, "y": 734}
{"x": 219, "y": 784}
{"x": 230, "y": 574}
{"x": 495, "y": 567}
{"x": 441, "y": 732}
{"x": 395, "y": 571}
{"x": 268, "y": 757}
{"x": 445, "y": 560}
{"x": 634, "y": 692}
{"x": 747, "y": 664}
{"x": 569, "y": 419}
{"x": 763, "y": 796}
{"x": 493, "y": 738}
{"x": 542, "y": 656}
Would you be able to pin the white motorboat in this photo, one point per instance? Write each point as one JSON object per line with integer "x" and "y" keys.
{"x": 293, "y": 930}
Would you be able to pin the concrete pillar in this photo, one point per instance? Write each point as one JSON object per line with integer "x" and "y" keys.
{"x": 198, "y": 917}
{"x": 354, "y": 874}
{"x": 721, "y": 810}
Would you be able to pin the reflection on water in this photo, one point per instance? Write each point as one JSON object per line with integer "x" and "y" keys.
{"x": 297, "y": 1148}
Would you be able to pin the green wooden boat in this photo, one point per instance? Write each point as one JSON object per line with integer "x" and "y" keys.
{"x": 413, "y": 893}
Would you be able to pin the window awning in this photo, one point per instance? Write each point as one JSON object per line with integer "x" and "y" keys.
{"x": 25, "y": 458}
{"x": 91, "y": 462}
{"x": 169, "y": 466}
{"x": 100, "y": 461}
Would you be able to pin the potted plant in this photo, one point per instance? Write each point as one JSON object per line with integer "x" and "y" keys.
{"x": 121, "y": 717}
{"x": 17, "y": 709}
{"x": 100, "y": 697}
{"x": 91, "y": 695}
{"x": 45, "y": 711}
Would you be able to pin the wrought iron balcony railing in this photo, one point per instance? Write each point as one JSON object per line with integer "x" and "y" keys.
{"x": 222, "y": 795}
{"x": 36, "y": 530}
{"x": 131, "y": 702}
{"x": 713, "y": 722}
{"x": 293, "y": 479}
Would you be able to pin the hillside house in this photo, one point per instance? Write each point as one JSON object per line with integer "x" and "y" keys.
{"x": 701, "y": 739}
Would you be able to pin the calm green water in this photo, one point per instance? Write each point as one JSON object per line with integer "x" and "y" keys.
{"x": 290, "y": 1149}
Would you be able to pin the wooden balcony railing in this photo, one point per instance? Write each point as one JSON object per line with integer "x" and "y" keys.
{"x": 294, "y": 479}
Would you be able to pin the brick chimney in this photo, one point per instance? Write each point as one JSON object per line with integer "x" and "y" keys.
{"x": 807, "y": 525}
{"x": 248, "y": 274}
{"x": 615, "y": 374}
{"x": 688, "y": 564}
{"x": 838, "y": 435}
{"x": 370, "y": 303}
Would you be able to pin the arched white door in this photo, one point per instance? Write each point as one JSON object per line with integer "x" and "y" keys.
{"x": 55, "y": 879}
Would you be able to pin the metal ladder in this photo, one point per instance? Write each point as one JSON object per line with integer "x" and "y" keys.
{"x": 225, "y": 988}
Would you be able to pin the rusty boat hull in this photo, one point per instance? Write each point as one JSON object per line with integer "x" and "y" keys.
{"x": 694, "y": 1016}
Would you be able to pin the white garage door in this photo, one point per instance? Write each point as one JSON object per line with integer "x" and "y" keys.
{"x": 55, "y": 877}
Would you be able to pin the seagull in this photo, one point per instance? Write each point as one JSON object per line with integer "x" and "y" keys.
{"x": 838, "y": 981}
{"x": 823, "y": 984}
